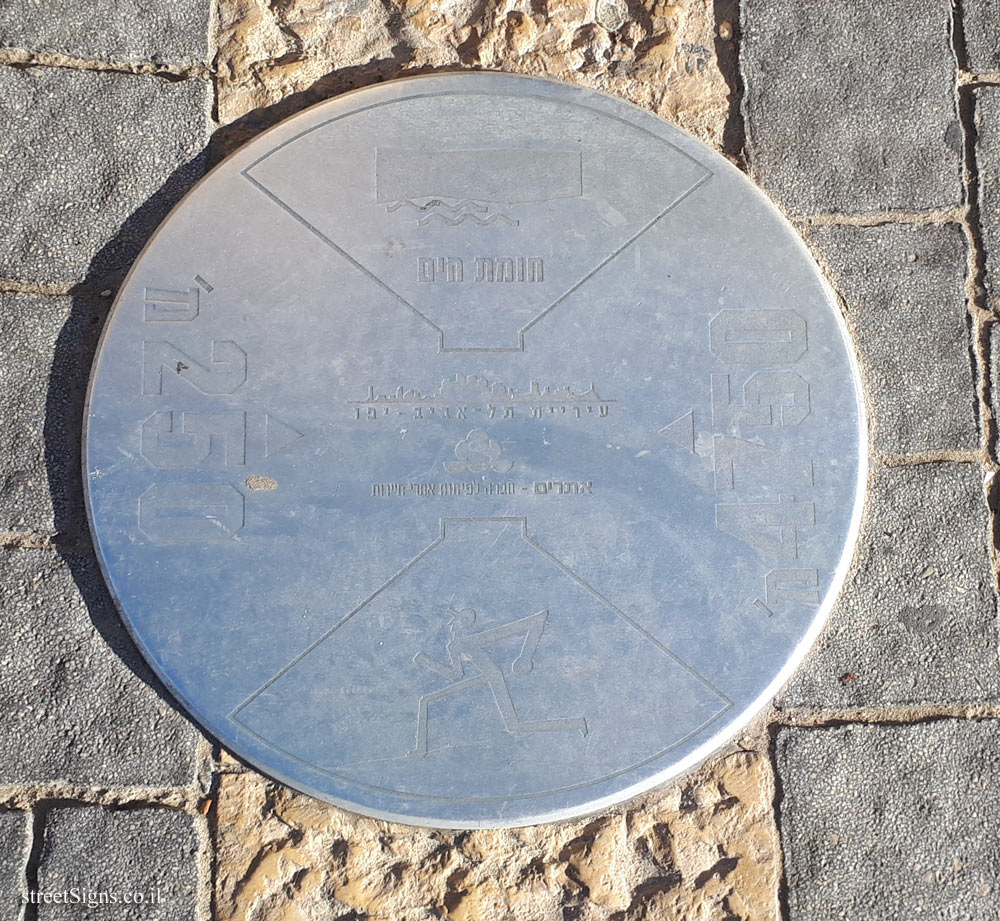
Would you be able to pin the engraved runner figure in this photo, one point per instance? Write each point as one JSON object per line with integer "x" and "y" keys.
{"x": 465, "y": 648}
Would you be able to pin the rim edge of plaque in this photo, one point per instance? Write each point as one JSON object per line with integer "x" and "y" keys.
{"x": 732, "y": 726}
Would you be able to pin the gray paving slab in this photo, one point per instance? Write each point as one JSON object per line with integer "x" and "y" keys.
{"x": 904, "y": 290}
{"x": 46, "y": 346}
{"x": 77, "y": 703}
{"x": 987, "y": 118}
{"x": 981, "y": 21}
{"x": 15, "y": 829}
{"x": 92, "y": 162}
{"x": 890, "y": 821}
{"x": 125, "y": 31}
{"x": 850, "y": 107}
{"x": 916, "y": 621}
{"x": 995, "y": 374}
{"x": 144, "y": 860}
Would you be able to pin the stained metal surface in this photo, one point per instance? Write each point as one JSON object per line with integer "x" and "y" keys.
{"x": 474, "y": 450}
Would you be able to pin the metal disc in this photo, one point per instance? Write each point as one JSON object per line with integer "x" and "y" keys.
{"x": 474, "y": 450}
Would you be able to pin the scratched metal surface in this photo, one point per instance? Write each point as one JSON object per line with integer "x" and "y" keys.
{"x": 474, "y": 450}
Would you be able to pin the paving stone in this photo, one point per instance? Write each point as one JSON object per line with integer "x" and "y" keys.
{"x": 981, "y": 19}
{"x": 46, "y": 346}
{"x": 110, "y": 30}
{"x": 77, "y": 703}
{"x": 995, "y": 376}
{"x": 850, "y": 107}
{"x": 14, "y": 844}
{"x": 916, "y": 621}
{"x": 92, "y": 161}
{"x": 987, "y": 109}
{"x": 126, "y": 854}
{"x": 904, "y": 289}
{"x": 891, "y": 821}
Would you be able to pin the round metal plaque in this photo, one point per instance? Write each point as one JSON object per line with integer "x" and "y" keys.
{"x": 474, "y": 450}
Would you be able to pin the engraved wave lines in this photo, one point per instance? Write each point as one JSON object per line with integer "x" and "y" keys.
{"x": 467, "y": 203}
{"x": 492, "y": 219}
{"x": 452, "y": 213}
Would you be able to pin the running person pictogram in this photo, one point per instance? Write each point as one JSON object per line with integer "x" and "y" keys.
{"x": 465, "y": 649}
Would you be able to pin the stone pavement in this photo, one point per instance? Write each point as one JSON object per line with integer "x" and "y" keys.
{"x": 869, "y": 790}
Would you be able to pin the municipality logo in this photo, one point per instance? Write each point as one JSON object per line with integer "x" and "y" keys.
{"x": 478, "y": 453}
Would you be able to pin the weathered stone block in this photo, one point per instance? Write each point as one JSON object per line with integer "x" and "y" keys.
{"x": 663, "y": 56}
{"x": 143, "y": 860}
{"x": 904, "y": 289}
{"x": 981, "y": 19}
{"x": 703, "y": 848}
{"x": 110, "y": 30}
{"x": 850, "y": 107}
{"x": 987, "y": 109}
{"x": 916, "y": 622}
{"x": 92, "y": 162}
{"x": 891, "y": 821}
{"x": 46, "y": 345}
{"x": 77, "y": 703}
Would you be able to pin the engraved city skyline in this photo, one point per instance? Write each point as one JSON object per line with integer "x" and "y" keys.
{"x": 470, "y": 388}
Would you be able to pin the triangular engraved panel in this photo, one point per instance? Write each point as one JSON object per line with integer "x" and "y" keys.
{"x": 481, "y": 659}
{"x": 480, "y": 237}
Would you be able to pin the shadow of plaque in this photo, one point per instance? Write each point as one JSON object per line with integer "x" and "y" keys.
{"x": 72, "y": 358}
